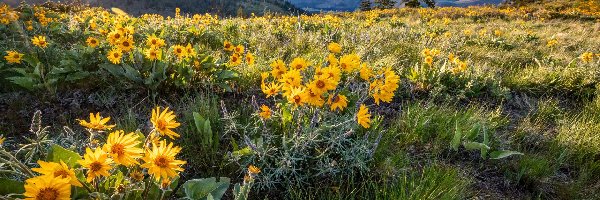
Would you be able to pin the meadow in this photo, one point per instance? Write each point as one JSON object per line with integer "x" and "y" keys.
{"x": 408, "y": 103}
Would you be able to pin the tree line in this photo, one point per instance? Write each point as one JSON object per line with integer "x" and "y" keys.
{"x": 385, "y": 4}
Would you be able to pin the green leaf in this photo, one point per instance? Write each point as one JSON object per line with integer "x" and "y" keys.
{"x": 474, "y": 132}
{"x": 31, "y": 60}
{"x": 227, "y": 74}
{"x": 503, "y": 154}
{"x": 475, "y": 146}
{"x": 242, "y": 152}
{"x": 457, "y": 137}
{"x": 11, "y": 187}
{"x": 133, "y": 74}
{"x": 77, "y": 76}
{"x": 199, "y": 122}
{"x": 486, "y": 141}
{"x": 25, "y": 82}
{"x": 225, "y": 86}
{"x": 207, "y": 131}
{"x": 58, "y": 153}
{"x": 115, "y": 70}
{"x": 202, "y": 188}
{"x": 286, "y": 116}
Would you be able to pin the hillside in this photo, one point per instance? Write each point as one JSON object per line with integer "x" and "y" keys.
{"x": 166, "y": 7}
{"x": 450, "y": 103}
{"x": 351, "y": 5}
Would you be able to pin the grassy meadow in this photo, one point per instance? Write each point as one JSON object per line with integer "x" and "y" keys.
{"x": 408, "y": 103}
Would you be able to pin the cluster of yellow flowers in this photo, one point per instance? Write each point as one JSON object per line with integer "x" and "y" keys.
{"x": 588, "y": 56}
{"x": 158, "y": 156}
{"x": 13, "y": 57}
{"x": 236, "y": 54}
{"x": 552, "y": 43}
{"x": 459, "y": 65}
{"x": 121, "y": 40}
{"x": 7, "y": 15}
{"x": 40, "y": 14}
{"x": 39, "y": 41}
{"x": 322, "y": 88}
{"x": 429, "y": 54}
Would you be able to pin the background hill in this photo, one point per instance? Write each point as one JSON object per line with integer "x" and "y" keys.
{"x": 351, "y": 5}
{"x": 167, "y": 7}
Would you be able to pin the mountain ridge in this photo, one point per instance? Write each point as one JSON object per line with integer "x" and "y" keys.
{"x": 351, "y": 5}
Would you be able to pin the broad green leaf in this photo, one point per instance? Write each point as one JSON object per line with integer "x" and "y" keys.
{"x": 77, "y": 76}
{"x": 208, "y": 131}
{"x": 58, "y": 153}
{"x": 486, "y": 141}
{"x": 227, "y": 74}
{"x": 242, "y": 152}
{"x": 202, "y": 188}
{"x": 11, "y": 186}
{"x": 198, "y": 121}
{"x": 503, "y": 154}
{"x": 115, "y": 70}
{"x": 225, "y": 86}
{"x": 133, "y": 74}
{"x": 475, "y": 146}
{"x": 31, "y": 60}
{"x": 457, "y": 137}
{"x": 25, "y": 82}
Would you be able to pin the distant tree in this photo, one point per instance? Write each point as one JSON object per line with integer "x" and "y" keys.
{"x": 411, "y": 3}
{"x": 520, "y": 2}
{"x": 416, "y": 3}
{"x": 384, "y": 4}
{"x": 430, "y": 3}
{"x": 365, "y": 5}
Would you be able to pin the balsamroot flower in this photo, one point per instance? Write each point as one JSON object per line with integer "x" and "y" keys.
{"x": 96, "y": 122}
{"x": 47, "y": 187}
{"x": 164, "y": 121}
{"x": 363, "y": 117}
{"x": 160, "y": 161}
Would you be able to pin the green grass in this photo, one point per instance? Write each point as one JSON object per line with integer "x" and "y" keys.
{"x": 430, "y": 183}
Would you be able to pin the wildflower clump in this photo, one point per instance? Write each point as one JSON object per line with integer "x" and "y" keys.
{"x": 302, "y": 84}
{"x": 128, "y": 157}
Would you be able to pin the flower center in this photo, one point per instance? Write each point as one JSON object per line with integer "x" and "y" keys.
{"x": 161, "y": 124}
{"x": 298, "y": 66}
{"x": 343, "y": 65}
{"x": 335, "y": 99}
{"x": 126, "y": 44}
{"x": 61, "y": 173}
{"x": 47, "y": 194}
{"x": 116, "y": 55}
{"x": 227, "y": 46}
{"x": 320, "y": 84}
{"x": 178, "y": 50}
{"x": 95, "y": 166}
{"x": 16, "y": 56}
{"x": 161, "y": 162}
{"x": 297, "y": 99}
{"x": 234, "y": 59}
{"x": 118, "y": 149}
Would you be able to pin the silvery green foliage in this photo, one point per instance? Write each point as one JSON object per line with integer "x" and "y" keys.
{"x": 306, "y": 147}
